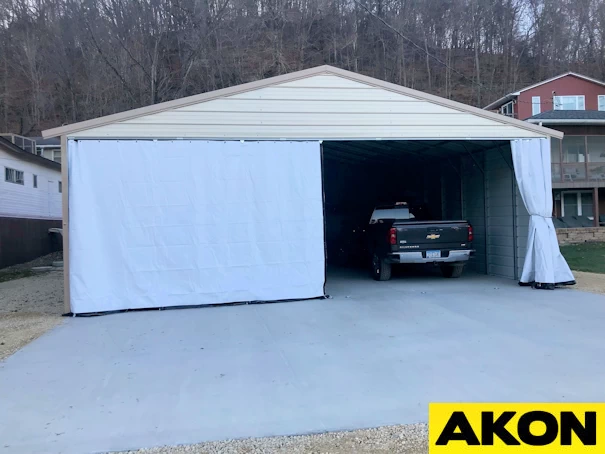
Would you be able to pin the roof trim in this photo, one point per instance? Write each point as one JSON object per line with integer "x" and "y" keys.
{"x": 325, "y": 69}
{"x": 500, "y": 102}
{"x": 511, "y": 95}
{"x": 562, "y": 121}
{"x": 8, "y": 146}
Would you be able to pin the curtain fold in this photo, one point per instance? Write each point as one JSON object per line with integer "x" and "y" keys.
{"x": 544, "y": 263}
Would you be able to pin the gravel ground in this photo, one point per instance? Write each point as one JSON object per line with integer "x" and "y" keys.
{"x": 29, "y": 306}
{"x": 45, "y": 260}
{"x": 590, "y": 282}
{"x": 406, "y": 439}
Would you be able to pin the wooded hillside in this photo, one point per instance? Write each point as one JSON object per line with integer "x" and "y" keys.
{"x": 69, "y": 60}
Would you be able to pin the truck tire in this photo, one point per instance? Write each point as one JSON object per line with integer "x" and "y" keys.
{"x": 452, "y": 271}
{"x": 381, "y": 270}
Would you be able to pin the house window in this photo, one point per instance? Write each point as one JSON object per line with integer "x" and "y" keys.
{"x": 35, "y": 181}
{"x": 601, "y": 102}
{"x": 57, "y": 156}
{"x": 574, "y": 149}
{"x": 569, "y": 102}
{"x": 555, "y": 150}
{"x": 574, "y": 158}
{"x": 508, "y": 109}
{"x": 596, "y": 148}
{"x": 535, "y": 105}
{"x": 13, "y": 176}
{"x": 577, "y": 203}
{"x": 60, "y": 187}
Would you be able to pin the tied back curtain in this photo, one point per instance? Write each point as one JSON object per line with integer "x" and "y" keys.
{"x": 178, "y": 223}
{"x": 543, "y": 260}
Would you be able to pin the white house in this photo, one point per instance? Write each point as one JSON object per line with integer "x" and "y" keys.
{"x": 48, "y": 148}
{"x": 30, "y": 204}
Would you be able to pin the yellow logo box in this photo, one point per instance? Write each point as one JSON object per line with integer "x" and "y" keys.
{"x": 519, "y": 428}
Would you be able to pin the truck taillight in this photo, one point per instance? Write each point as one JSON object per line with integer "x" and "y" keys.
{"x": 470, "y": 233}
{"x": 393, "y": 236}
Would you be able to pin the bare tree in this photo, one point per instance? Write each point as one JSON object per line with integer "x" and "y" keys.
{"x": 68, "y": 60}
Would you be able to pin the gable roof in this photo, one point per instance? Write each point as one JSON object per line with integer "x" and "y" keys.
{"x": 291, "y": 77}
{"x": 510, "y": 96}
{"x": 20, "y": 153}
{"x": 577, "y": 117}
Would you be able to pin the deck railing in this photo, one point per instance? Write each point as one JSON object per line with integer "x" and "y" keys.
{"x": 25, "y": 143}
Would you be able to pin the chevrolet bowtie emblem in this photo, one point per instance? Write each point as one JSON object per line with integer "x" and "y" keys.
{"x": 433, "y": 236}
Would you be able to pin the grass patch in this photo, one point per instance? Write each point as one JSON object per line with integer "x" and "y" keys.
{"x": 11, "y": 275}
{"x": 585, "y": 257}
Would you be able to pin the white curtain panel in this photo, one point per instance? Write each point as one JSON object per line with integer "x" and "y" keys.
{"x": 180, "y": 223}
{"x": 543, "y": 260}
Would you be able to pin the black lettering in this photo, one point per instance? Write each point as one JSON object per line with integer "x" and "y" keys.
{"x": 491, "y": 427}
{"x": 587, "y": 433}
{"x": 457, "y": 421}
{"x": 549, "y": 420}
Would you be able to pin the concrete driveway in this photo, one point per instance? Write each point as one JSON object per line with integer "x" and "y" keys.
{"x": 375, "y": 354}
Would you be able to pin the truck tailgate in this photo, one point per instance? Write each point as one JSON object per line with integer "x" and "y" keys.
{"x": 431, "y": 235}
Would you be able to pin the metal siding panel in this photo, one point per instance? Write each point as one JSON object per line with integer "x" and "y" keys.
{"x": 501, "y": 198}
{"x": 294, "y": 132}
{"x": 505, "y": 231}
{"x": 324, "y": 81}
{"x": 474, "y": 210}
{"x": 316, "y": 107}
{"x": 502, "y": 241}
{"x": 501, "y": 219}
{"x": 503, "y": 251}
{"x": 307, "y": 119}
{"x": 500, "y": 229}
{"x": 503, "y": 260}
{"x": 451, "y": 196}
{"x": 502, "y": 271}
{"x": 357, "y": 94}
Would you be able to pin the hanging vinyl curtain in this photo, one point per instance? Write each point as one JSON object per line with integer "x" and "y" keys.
{"x": 181, "y": 223}
{"x": 544, "y": 264}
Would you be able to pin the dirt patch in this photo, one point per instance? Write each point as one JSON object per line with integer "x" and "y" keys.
{"x": 404, "y": 439}
{"x": 17, "y": 330}
{"x": 590, "y": 282}
{"x": 29, "y": 306}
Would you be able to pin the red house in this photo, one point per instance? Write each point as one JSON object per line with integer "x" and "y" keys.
{"x": 574, "y": 104}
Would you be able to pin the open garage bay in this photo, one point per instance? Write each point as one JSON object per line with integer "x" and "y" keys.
{"x": 440, "y": 180}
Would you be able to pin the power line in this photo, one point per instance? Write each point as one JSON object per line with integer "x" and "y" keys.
{"x": 438, "y": 60}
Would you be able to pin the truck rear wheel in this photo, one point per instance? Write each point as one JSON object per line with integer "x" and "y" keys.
{"x": 381, "y": 270}
{"x": 452, "y": 271}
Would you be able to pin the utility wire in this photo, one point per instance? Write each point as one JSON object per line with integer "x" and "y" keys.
{"x": 438, "y": 60}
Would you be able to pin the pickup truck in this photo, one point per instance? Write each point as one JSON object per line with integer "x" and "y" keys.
{"x": 396, "y": 236}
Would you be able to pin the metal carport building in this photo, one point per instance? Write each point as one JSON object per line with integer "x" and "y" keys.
{"x": 219, "y": 197}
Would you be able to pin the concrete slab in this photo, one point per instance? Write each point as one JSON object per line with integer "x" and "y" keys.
{"x": 375, "y": 354}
